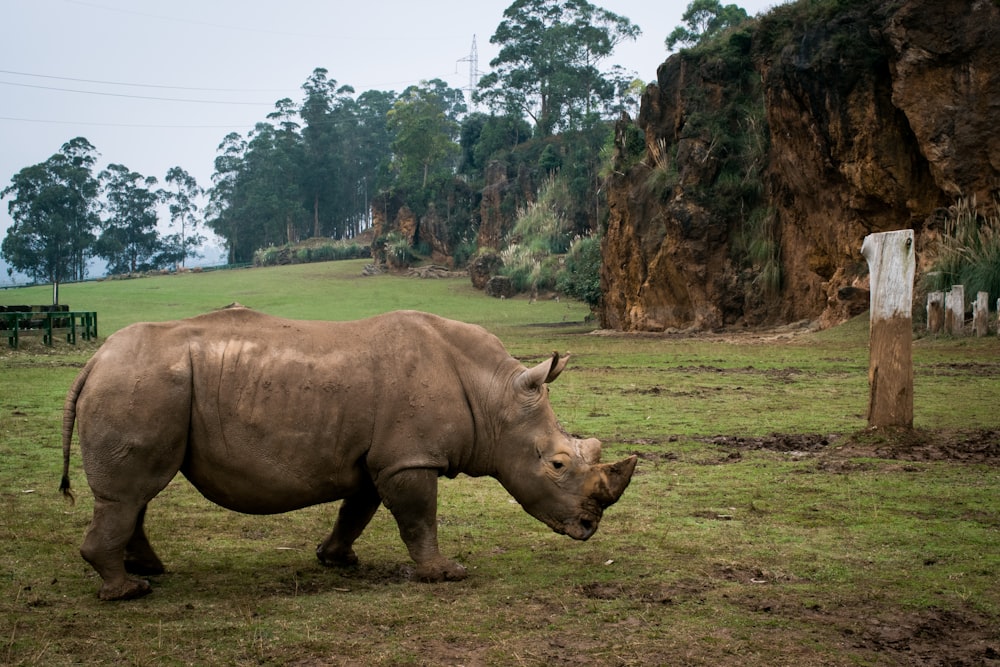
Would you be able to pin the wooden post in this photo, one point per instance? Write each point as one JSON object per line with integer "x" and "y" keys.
{"x": 935, "y": 312}
{"x": 954, "y": 310}
{"x": 981, "y": 313}
{"x": 891, "y": 266}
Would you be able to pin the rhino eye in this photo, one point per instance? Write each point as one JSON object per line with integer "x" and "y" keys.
{"x": 558, "y": 465}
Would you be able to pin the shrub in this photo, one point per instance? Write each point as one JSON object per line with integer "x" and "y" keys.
{"x": 315, "y": 252}
{"x": 580, "y": 277}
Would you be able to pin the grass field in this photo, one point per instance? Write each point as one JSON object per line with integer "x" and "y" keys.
{"x": 764, "y": 525}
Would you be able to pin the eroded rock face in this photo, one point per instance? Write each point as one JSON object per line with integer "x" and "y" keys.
{"x": 876, "y": 119}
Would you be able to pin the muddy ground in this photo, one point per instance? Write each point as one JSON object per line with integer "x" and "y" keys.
{"x": 930, "y": 638}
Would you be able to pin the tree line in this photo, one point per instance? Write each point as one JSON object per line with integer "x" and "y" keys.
{"x": 56, "y": 206}
{"x": 321, "y": 166}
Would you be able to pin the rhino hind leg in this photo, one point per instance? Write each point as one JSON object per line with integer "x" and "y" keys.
{"x": 355, "y": 514}
{"x": 104, "y": 547}
{"x": 411, "y": 496}
{"x": 139, "y": 555}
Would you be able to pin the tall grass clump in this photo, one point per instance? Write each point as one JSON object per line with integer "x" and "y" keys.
{"x": 663, "y": 175}
{"x": 760, "y": 247}
{"x": 398, "y": 253}
{"x": 541, "y": 233}
{"x": 543, "y": 225}
{"x": 969, "y": 252}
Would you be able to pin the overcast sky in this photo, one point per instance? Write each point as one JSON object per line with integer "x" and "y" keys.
{"x": 155, "y": 84}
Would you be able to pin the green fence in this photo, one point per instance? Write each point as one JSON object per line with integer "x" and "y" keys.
{"x": 15, "y": 320}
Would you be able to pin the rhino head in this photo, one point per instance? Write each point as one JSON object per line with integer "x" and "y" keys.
{"x": 556, "y": 478}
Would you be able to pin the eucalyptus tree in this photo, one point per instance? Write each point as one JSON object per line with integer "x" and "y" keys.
{"x": 182, "y": 196}
{"x": 548, "y": 64}
{"x": 329, "y": 116}
{"x": 423, "y": 137}
{"x": 283, "y": 167}
{"x": 54, "y": 208}
{"x": 485, "y": 137}
{"x": 129, "y": 240}
{"x": 256, "y": 198}
{"x": 704, "y": 19}
{"x": 226, "y": 199}
{"x": 372, "y": 143}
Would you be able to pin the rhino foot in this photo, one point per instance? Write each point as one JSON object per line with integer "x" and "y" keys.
{"x": 129, "y": 589}
{"x": 144, "y": 567}
{"x": 335, "y": 558}
{"x": 443, "y": 570}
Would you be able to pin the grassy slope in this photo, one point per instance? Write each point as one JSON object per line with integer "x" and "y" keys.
{"x": 715, "y": 555}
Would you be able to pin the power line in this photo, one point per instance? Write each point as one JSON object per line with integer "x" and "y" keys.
{"x": 134, "y": 97}
{"x": 124, "y": 125}
{"x": 343, "y": 36}
{"x": 175, "y": 19}
{"x": 142, "y": 85}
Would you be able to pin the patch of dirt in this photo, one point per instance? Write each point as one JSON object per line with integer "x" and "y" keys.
{"x": 926, "y": 638}
{"x": 962, "y": 369}
{"x": 778, "y": 442}
{"x": 965, "y": 446}
{"x": 932, "y": 637}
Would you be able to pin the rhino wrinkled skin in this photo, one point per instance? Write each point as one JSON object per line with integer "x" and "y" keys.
{"x": 266, "y": 415}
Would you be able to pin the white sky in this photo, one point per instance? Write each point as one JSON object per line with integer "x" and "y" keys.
{"x": 200, "y": 69}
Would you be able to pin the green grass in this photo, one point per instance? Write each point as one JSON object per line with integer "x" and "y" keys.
{"x": 719, "y": 553}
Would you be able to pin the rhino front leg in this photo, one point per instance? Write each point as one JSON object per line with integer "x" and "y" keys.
{"x": 111, "y": 530}
{"x": 411, "y": 496}
{"x": 355, "y": 514}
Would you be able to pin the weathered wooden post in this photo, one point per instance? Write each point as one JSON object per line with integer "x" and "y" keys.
{"x": 935, "y": 312}
{"x": 954, "y": 310}
{"x": 891, "y": 266}
{"x": 981, "y": 313}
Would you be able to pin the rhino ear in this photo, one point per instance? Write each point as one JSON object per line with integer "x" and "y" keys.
{"x": 545, "y": 372}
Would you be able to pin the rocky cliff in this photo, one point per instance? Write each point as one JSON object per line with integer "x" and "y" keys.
{"x": 767, "y": 156}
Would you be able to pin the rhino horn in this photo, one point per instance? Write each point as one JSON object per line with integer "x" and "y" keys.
{"x": 545, "y": 372}
{"x": 611, "y": 479}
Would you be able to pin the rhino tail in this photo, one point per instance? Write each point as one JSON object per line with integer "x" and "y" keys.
{"x": 69, "y": 420}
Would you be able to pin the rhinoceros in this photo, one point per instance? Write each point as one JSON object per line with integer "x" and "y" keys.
{"x": 266, "y": 415}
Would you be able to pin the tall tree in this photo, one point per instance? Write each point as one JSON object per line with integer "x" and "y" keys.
{"x": 702, "y": 20}
{"x": 54, "y": 208}
{"x": 129, "y": 240}
{"x": 372, "y": 149}
{"x": 485, "y": 136}
{"x": 548, "y": 63}
{"x": 423, "y": 135}
{"x": 321, "y": 145}
{"x": 283, "y": 148}
{"x": 225, "y": 198}
{"x": 181, "y": 197}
